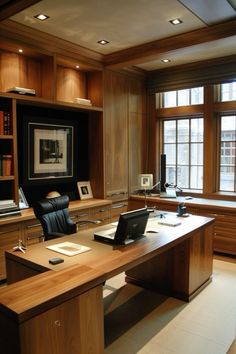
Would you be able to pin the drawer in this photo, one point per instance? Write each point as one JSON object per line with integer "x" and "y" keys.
{"x": 33, "y": 232}
{"x": 225, "y": 244}
{"x": 102, "y": 214}
{"x": 117, "y": 195}
{"x": 117, "y": 209}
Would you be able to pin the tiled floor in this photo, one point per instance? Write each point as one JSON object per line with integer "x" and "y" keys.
{"x": 140, "y": 321}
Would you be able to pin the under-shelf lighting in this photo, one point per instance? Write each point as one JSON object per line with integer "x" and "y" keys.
{"x": 175, "y": 21}
{"x": 41, "y": 17}
{"x": 20, "y": 50}
{"x": 77, "y": 66}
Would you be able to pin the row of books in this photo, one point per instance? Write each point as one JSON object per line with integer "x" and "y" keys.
{"x": 5, "y": 165}
{"x": 5, "y": 123}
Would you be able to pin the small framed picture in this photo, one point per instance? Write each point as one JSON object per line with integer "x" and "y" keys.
{"x": 23, "y": 204}
{"x": 85, "y": 191}
{"x": 146, "y": 181}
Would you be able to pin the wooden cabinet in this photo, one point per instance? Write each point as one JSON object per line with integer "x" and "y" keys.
{"x": 124, "y": 133}
{"x": 9, "y": 236}
{"x": 116, "y": 135}
{"x": 56, "y": 82}
{"x": 84, "y": 218}
{"x": 71, "y": 326}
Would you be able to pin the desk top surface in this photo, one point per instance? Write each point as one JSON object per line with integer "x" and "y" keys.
{"x": 82, "y": 272}
{"x": 111, "y": 259}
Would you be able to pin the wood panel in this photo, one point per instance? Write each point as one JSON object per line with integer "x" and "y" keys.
{"x": 181, "y": 271}
{"x": 70, "y": 84}
{"x": 75, "y": 326}
{"x": 9, "y": 236}
{"x": 21, "y": 71}
{"x": 137, "y": 131}
{"x": 116, "y": 133}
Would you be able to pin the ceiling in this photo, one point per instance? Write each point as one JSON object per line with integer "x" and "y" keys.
{"x": 139, "y": 30}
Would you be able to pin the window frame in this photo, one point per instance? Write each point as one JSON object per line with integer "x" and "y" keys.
{"x": 176, "y": 118}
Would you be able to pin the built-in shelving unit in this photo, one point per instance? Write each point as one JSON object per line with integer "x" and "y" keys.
{"x": 57, "y": 82}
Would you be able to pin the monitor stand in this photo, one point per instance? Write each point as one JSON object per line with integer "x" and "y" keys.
{"x": 169, "y": 193}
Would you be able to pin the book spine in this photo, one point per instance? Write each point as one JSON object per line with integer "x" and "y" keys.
{"x": 0, "y": 165}
{"x": 8, "y": 163}
{"x": 7, "y": 123}
{"x": 1, "y": 122}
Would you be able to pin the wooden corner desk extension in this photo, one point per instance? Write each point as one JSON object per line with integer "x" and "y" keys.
{"x": 59, "y": 309}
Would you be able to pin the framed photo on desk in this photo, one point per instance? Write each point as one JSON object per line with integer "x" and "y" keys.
{"x": 85, "y": 191}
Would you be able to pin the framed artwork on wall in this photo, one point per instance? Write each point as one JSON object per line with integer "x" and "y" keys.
{"x": 49, "y": 152}
{"x": 85, "y": 191}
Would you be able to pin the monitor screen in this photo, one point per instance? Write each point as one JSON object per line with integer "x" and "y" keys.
{"x": 131, "y": 226}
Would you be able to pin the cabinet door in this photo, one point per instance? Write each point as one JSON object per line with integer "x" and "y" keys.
{"x": 73, "y": 327}
{"x": 116, "y": 135}
{"x": 9, "y": 236}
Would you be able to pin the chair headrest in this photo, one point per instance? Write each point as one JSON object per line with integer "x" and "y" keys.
{"x": 46, "y": 206}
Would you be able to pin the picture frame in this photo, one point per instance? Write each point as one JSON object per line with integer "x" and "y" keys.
{"x": 23, "y": 204}
{"x": 146, "y": 181}
{"x": 85, "y": 191}
{"x": 50, "y": 152}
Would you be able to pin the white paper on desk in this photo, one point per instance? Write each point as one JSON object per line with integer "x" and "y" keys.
{"x": 68, "y": 248}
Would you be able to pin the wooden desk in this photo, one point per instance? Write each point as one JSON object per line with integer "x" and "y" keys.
{"x": 68, "y": 301}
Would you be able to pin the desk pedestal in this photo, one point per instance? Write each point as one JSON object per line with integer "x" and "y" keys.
{"x": 182, "y": 271}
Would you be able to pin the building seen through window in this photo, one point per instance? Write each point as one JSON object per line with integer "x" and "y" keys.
{"x": 183, "y": 146}
{"x": 227, "y": 153}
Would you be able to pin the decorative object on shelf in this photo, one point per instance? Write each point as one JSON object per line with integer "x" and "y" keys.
{"x": 49, "y": 151}
{"x": 23, "y": 204}
{"x": 83, "y": 101}
{"x": 22, "y": 91}
{"x": 85, "y": 191}
{"x": 53, "y": 194}
{"x": 20, "y": 247}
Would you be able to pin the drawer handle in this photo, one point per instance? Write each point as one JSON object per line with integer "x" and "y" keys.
{"x": 117, "y": 206}
{"x": 29, "y": 238}
{"x": 117, "y": 193}
{"x": 32, "y": 226}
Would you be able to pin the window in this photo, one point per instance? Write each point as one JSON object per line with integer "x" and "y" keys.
{"x": 184, "y": 97}
{"x": 228, "y": 92}
{"x": 227, "y": 153}
{"x": 183, "y": 146}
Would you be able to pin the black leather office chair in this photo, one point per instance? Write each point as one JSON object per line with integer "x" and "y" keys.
{"x": 54, "y": 216}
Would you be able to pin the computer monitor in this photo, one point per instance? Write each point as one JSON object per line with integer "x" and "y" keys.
{"x": 131, "y": 226}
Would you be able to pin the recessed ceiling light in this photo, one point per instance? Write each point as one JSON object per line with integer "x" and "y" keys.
{"x": 103, "y": 42}
{"x": 176, "y": 21}
{"x": 20, "y": 50}
{"x": 41, "y": 17}
{"x": 165, "y": 60}
{"x": 77, "y": 66}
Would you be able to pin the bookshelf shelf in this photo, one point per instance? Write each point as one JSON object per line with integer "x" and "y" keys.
{"x": 6, "y": 137}
{"x": 7, "y": 178}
